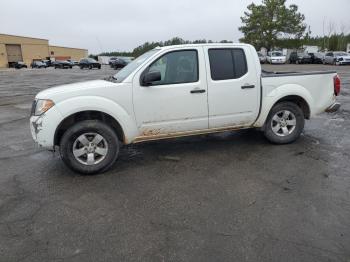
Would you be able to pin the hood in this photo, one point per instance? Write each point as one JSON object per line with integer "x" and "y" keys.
{"x": 81, "y": 88}
{"x": 343, "y": 56}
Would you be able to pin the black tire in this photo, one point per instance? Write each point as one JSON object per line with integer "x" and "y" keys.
{"x": 89, "y": 126}
{"x": 299, "y": 126}
{"x": 90, "y": 67}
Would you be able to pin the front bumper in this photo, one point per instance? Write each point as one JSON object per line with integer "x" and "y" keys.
{"x": 278, "y": 61}
{"x": 43, "y": 127}
{"x": 333, "y": 108}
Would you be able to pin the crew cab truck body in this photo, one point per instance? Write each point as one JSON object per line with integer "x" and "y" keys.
{"x": 177, "y": 91}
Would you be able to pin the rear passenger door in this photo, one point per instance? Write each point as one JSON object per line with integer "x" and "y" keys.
{"x": 233, "y": 87}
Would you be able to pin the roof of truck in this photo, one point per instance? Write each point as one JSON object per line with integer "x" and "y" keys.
{"x": 204, "y": 44}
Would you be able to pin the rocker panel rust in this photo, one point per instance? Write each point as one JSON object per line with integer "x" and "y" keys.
{"x": 151, "y": 135}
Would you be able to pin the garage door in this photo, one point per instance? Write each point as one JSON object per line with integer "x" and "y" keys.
{"x": 14, "y": 53}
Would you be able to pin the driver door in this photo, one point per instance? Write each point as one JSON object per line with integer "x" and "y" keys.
{"x": 176, "y": 103}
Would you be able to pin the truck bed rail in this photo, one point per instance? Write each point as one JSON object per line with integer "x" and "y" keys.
{"x": 291, "y": 73}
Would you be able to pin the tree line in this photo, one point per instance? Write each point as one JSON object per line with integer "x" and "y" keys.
{"x": 335, "y": 42}
{"x": 150, "y": 45}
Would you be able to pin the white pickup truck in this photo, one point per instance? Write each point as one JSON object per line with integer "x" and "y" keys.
{"x": 177, "y": 91}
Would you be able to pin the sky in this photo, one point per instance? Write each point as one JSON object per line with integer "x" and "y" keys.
{"x": 115, "y": 25}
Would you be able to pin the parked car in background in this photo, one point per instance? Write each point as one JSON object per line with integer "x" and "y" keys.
{"x": 111, "y": 60}
{"x": 316, "y": 58}
{"x": 276, "y": 57}
{"x": 299, "y": 58}
{"x": 118, "y": 63}
{"x": 89, "y": 63}
{"x": 38, "y": 64}
{"x": 262, "y": 58}
{"x": 73, "y": 62}
{"x": 47, "y": 62}
{"x": 63, "y": 65}
{"x": 19, "y": 65}
{"x": 178, "y": 91}
{"x": 337, "y": 58}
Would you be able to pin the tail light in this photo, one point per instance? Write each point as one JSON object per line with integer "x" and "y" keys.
{"x": 336, "y": 81}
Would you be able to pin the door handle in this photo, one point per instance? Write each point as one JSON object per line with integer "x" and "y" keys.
{"x": 197, "y": 91}
{"x": 247, "y": 86}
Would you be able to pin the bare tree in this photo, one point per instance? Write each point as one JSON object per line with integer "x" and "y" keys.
{"x": 331, "y": 28}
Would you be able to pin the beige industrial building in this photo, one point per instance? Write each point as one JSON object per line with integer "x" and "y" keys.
{"x": 19, "y": 48}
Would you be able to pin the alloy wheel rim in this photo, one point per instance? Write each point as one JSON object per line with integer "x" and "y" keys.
{"x": 283, "y": 123}
{"x": 90, "y": 149}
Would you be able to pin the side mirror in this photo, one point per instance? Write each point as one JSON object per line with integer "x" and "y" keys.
{"x": 151, "y": 77}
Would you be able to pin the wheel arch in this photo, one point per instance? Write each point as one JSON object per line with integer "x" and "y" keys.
{"x": 299, "y": 101}
{"x": 292, "y": 93}
{"x": 88, "y": 115}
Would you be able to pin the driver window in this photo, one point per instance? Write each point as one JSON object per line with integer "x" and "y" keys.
{"x": 176, "y": 67}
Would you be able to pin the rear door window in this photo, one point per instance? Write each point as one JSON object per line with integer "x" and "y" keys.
{"x": 227, "y": 63}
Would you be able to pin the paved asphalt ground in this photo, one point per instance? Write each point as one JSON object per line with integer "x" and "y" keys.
{"x": 222, "y": 197}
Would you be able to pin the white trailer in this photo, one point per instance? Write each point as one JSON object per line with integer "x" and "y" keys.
{"x": 104, "y": 60}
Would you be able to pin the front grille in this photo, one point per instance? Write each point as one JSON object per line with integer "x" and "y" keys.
{"x": 32, "y": 111}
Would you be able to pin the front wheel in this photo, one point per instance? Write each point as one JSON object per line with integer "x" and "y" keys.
{"x": 284, "y": 123}
{"x": 89, "y": 147}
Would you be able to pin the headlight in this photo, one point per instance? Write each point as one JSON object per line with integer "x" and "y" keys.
{"x": 41, "y": 106}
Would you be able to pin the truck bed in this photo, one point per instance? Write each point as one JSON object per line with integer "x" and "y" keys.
{"x": 317, "y": 87}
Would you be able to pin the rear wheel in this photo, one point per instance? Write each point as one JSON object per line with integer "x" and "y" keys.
{"x": 284, "y": 123}
{"x": 89, "y": 147}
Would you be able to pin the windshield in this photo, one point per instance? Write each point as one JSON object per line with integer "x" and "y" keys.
{"x": 126, "y": 59}
{"x": 277, "y": 54}
{"x": 341, "y": 54}
{"x": 126, "y": 71}
{"x": 92, "y": 60}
